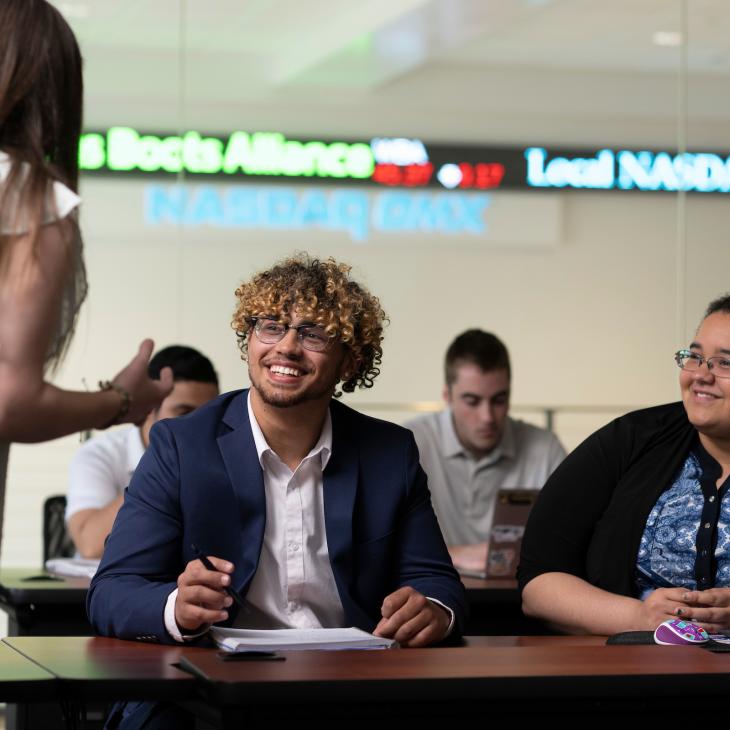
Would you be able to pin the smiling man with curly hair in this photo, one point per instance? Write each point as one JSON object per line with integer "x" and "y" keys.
{"x": 314, "y": 514}
{"x": 321, "y": 296}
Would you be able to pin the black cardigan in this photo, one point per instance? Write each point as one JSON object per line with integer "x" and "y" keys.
{"x": 590, "y": 516}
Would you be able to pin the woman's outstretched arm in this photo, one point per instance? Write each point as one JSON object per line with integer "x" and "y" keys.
{"x": 32, "y": 281}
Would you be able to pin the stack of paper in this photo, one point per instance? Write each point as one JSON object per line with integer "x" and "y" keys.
{"x": 238, "y": 640}
{"x": 72, "y": 567}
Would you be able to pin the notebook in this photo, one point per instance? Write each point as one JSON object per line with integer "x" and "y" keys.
{"x": 244, "y": 640}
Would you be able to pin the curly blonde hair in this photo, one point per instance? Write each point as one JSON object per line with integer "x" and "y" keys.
{"x": 322, "y": 292}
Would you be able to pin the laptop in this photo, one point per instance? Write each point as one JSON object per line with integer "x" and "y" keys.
{"x": 511, "y": 511}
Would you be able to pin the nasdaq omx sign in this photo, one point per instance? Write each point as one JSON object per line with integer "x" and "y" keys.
{"x": 701, "y": 172}
{"x": 355, "y": 212}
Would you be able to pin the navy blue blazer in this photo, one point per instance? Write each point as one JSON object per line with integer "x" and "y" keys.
{"x": 200, "y": 482}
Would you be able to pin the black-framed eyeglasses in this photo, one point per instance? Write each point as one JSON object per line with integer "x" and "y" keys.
{"x": 312, "y": 337}
{"x": 718, "y": 364}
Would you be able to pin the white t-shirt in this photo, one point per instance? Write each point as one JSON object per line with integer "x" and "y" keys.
{"x": 102, "y": 468}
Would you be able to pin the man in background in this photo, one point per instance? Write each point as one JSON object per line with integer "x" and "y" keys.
{"x": 472, "y": 448}
{"x": 103, "y": 466}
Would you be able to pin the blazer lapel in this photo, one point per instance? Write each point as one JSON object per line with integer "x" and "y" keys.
{"x": 340, "y": 490}
{"x": 244, "y": 470}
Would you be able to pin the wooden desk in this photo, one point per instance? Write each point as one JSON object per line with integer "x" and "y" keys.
{"x": 95, "y": 668}
{"x": 548, "y": 676}
{"x": 94, "y": 672}
{"x": 570, "y": 676}
{"x": 22, "y": 679}
{"x": 44, "y": 606}
{"x": 39, "y": 605}
{"x": 482, "y": 669}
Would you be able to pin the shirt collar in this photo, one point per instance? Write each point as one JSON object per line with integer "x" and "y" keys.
{"x": 452, "y": 446}
{"x": 322, "y": 449}
{"x": 449, "y": 440}
{"x": 708, "y": 470}
{"x": 507, "y": 446}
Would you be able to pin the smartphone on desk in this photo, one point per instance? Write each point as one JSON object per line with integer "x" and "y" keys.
{"x": 253, "y": 656}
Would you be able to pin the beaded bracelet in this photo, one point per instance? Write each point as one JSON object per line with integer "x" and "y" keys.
{"x": 124, "y": 406}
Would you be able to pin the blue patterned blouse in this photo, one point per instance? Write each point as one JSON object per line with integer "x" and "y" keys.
{"x": 686, "y": 541}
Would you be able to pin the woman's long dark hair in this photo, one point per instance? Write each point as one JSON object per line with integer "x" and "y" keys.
{"x": 41, "y": 100}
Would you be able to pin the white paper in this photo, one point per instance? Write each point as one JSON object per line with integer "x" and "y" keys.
{"x": 72, "y": 567}
{"x": 292, "y": 639}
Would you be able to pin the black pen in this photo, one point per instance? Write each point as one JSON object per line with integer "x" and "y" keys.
{"x": 233, "y": 594}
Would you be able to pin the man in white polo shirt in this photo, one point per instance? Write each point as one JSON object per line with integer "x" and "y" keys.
{"x": 102, "y": 468}
{"x": 472, "y": 448}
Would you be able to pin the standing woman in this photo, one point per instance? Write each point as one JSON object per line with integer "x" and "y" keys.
{"x": 42, "y": 274}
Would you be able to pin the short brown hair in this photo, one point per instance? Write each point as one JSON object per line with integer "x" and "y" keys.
{"x": 322, "y": 292}
{"x": 721, "y": 304}
{"x": 480, "y": 348}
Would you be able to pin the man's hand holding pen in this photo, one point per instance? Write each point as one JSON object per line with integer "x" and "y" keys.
{"x": 203, "y": 593}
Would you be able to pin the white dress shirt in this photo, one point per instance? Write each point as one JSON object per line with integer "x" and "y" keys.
{"x": 293, "y": 586}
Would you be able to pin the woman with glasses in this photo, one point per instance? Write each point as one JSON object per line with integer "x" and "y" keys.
{"x": 42, "y": 275}
{"x": 633, "y": 528}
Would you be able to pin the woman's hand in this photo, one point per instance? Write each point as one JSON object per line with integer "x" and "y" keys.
{"x": 145, "y": 393}
{"x": 710, "y": 609}
{"x": 661, "y": 605}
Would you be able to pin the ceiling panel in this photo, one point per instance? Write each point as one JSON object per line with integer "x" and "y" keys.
{"x": 453, "y": 67}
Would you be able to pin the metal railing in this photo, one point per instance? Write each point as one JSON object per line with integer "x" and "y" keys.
{"x": 549, "y": 412}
